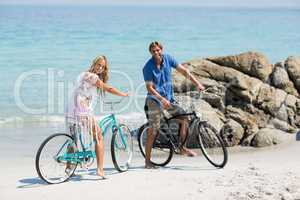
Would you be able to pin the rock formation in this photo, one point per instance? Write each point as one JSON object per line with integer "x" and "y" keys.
{"x": 248, "y": 99}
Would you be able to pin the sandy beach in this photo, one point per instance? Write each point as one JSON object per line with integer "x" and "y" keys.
{"x": 251, "y": 173}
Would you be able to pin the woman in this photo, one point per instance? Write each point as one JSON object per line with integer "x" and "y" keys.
{"x": 84, "y": 94}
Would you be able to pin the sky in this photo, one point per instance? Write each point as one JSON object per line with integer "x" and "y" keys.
{"x": 248, "y": 3}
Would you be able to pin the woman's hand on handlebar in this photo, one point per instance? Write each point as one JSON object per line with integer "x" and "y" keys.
{"x": 125, "y": 94}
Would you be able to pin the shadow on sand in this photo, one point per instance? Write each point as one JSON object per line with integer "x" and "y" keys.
{"x": 176, "y": 167}
{"x": 90, "y": 175}
{"x": 79, "y": 175}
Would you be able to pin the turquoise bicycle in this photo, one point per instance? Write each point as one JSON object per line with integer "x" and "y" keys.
{"x": 59, "y": 155}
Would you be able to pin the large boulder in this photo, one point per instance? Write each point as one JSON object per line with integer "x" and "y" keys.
{"x": 251, "y": 63}
{"x": 292, "y": 65}
{"x": 215, "y": 96}
{"x": 206, "y": 69}
{"x": 282, "y": 113}
{"x": 270, "y": 99}
{"x": 262, "y": 119}
{"x": 180, "y": 83}
{"x": 232, "y": 133}
{"x": 280, "y": 79}
{"x": 292, "y": 104}
{"x": 267, "y": 136}
{"x": 245, "y": 95}
{"x": 243, "y": 86}
{"x": 248, "y": 122}
{"x": 281, "y": 125}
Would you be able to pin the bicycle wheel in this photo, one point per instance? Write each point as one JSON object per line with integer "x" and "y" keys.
{"x": 122, "y": 148}
{"x": 162, "y": 151}
{"x": 212, "y": 145}
{"x": 51, "y": 162}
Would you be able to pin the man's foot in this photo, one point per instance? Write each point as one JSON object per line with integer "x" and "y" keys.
{"x": 188, "y": 152}
{"x": 150, "y": 166}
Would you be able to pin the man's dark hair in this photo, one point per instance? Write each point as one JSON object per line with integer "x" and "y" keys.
{"x": 155, "y": 43}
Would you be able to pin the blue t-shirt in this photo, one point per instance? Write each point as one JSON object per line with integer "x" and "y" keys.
{"x": 161, "y": 78}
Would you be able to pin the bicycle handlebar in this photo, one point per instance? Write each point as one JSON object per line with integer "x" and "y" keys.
{"x": 112, "y": 103}
{"x": 203, "y": 91}
{"x": 181, "y": 115}
{"x": 193, "y": 112}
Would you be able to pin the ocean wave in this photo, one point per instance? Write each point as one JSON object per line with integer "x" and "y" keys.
{"x": 30, "y": 119}
{"x": 133, "y": 120}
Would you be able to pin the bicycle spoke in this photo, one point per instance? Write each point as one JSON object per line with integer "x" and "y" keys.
{"x": 161, "y": 153}
{"x": 212, "y": 146}
{"x": 122, "y": 148}
{"x": 48, "y": 167}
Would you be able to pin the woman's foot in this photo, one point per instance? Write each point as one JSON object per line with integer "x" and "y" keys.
{"x": 101, "y": 175}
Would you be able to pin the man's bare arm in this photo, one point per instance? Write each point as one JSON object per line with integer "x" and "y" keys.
{"x": 186, "y": 73}
{"x": 151, "y": 89}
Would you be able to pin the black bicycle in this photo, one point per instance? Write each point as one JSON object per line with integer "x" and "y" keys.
{"x": 168, "y": 140}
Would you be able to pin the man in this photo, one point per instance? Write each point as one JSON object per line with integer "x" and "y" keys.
{"x": 158, "y": 78}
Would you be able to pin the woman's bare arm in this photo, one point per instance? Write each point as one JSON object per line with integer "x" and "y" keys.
{"x": 110, "y": 89}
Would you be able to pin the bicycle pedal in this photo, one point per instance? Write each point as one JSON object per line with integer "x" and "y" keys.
{"x": 84, "y": 166}
{"x": 68, "y": 171}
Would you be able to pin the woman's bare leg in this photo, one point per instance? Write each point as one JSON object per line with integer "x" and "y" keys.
{"x": 99, "y": 148}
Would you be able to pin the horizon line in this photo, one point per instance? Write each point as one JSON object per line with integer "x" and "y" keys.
{"x": 151, "y": 4}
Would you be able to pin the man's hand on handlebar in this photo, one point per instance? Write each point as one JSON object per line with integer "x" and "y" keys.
{"x": 165, "y": 103}
{"x": 200, "y": 87}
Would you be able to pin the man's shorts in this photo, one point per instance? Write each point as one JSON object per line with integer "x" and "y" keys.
{"x": 154, "y": 112}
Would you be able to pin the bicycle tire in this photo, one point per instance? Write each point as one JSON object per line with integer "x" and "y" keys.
{"x": 61, "y": 142}
{"x": 211, "y": 145}
{"x": 118, "y": 147}
{"x": 162, "y": 152}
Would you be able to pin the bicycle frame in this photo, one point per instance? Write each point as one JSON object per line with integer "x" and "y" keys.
{"x": 170, "y": 137}
{"x": 107, "y": 123}
{"x": 110, "y": 122}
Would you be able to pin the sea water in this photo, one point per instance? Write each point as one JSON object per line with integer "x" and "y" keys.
{"x": 44, "y": 48}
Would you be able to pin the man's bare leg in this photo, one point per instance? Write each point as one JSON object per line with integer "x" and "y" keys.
{"x": 148, "y": 149}
{"x": 183, "y": 135}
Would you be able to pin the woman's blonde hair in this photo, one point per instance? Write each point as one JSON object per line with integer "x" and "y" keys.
{"x": 104, "y": 74}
